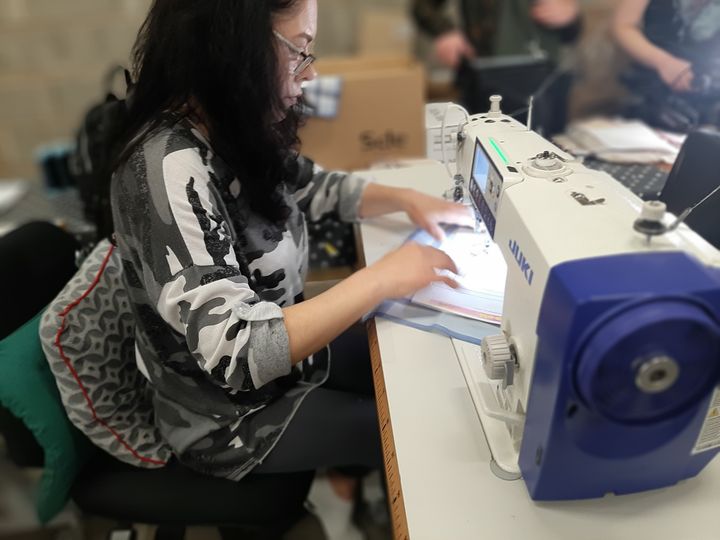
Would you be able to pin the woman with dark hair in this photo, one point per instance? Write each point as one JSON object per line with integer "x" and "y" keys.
{"x": 210, "y": 198}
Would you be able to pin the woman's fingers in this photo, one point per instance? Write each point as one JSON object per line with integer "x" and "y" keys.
{"x": 441, "y": 260}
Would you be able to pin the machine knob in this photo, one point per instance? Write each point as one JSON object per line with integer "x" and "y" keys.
{"x": 498, "y": 361}
{"x": 547, "y": 161}
{"x": 495, "y": 106}
{"x": 653, "y": 210}
{"x": 650, "y": 222}
{"x": 657, "y": 374}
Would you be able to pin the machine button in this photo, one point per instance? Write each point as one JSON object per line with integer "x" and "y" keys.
{"x": 498, "y": 361}
{"x": 547, "y": 162}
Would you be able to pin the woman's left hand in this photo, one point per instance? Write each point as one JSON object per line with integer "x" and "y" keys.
{"x": 429, "y": 212}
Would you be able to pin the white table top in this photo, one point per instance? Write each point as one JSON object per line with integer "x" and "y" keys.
{"x": 448, "y": 488}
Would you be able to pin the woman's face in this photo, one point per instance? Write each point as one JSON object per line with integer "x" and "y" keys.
{"x": 296, "y": 31}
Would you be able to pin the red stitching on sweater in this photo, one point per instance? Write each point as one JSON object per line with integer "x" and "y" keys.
{"x": 75, "y": 375}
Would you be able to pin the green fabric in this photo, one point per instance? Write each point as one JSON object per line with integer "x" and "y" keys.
{"x": 28, "y": 391}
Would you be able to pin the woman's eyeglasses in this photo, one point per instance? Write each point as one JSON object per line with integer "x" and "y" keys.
{"x": 306, "y": 59}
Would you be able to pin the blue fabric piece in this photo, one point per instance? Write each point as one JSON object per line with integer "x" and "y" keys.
{"x": 430, "y": 320}
{"x": 322, "y": 97}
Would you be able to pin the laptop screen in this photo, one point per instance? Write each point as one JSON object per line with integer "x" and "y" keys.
{"x": 695, "y": 174}
{"x": 516, "y": 78}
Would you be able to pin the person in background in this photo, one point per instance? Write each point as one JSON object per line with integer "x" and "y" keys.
{"x": 210, "y": 199}
{"x": 498, "y": 27}
{"x": 541, "y": 30}
{"x": 674, "y": 43}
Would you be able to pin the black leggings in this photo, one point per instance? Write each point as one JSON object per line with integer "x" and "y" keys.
{"x": 336, "y": 425}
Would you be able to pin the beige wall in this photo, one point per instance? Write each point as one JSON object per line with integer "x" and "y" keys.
{"x": 53, "y": 54}
{"x": 341, "y": 22}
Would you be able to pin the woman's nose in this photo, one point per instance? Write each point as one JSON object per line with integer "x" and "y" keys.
{"x": 309, "y": 73}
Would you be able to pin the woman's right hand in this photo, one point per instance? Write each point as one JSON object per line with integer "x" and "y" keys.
{"x": 314, "y": 323}
{"x": 411, "y": 268}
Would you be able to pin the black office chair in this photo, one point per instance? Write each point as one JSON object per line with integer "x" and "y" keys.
{"x": 37, "y": 261}
{"x": 260, "y": 506}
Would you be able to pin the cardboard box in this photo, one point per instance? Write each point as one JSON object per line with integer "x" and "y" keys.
{"x": 380, "y": 116}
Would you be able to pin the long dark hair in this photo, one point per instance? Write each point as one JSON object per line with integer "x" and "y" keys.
{"x": 219, "y": 55}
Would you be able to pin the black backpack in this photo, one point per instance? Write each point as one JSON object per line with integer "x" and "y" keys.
{"x": 90, "y": 163}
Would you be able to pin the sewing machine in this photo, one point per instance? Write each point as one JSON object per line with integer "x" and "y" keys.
{"x": 605, "y": 374}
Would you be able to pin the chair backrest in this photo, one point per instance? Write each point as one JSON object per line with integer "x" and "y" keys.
{"x": 88, "y": 336}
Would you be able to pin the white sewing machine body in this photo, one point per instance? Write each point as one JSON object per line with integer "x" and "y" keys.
{"x": 606, "y": 374}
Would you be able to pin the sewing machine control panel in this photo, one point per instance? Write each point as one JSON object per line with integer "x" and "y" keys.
{"x": 486, "y": 184}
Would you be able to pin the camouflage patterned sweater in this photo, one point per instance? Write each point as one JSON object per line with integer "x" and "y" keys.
{"x": 208, "y": 278}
